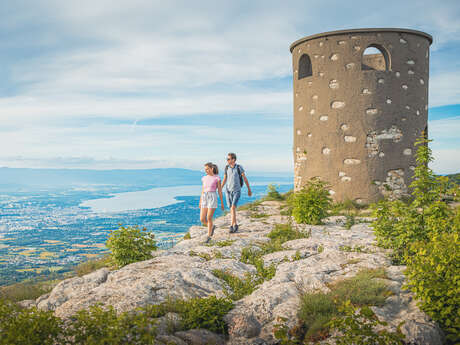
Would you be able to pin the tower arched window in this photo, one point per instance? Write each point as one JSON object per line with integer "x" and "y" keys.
{"x": 305, "y": 69}
{"x": 375, "y": 57}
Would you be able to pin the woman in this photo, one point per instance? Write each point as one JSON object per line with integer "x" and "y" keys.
{"x": 208, "y": 198}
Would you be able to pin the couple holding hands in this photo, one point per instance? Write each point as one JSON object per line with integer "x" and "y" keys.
{"x": 234, "y": 177}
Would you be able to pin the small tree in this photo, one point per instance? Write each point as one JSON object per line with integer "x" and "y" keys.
{"x": 310, "y": 205}
{"x": 130, "y": 244}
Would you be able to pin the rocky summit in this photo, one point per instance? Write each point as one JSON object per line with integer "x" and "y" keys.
{"x": 331, "y": 253}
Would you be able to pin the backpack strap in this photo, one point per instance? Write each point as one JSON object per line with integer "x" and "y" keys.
{"x": 239, "y": 175}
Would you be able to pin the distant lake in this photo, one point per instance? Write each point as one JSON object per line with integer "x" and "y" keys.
{"x": 147, "y": 199}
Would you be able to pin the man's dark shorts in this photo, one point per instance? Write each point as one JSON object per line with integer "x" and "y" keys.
{"x": 233, "y": 198}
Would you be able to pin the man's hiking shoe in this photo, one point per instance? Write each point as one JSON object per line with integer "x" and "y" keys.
{"x": 212, "y": 230}
{"x": 235, "y": 228}
{"x": 231, "y": 229}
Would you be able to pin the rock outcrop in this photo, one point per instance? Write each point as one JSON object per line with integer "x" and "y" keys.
{"x": 184, "y": 272}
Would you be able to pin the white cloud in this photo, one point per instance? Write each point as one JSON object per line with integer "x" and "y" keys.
{"x": 133, "y": 60}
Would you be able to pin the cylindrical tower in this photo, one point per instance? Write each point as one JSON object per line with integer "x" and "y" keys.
{"x": 357, "y": 115}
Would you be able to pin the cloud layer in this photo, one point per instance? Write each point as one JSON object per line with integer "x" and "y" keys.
{"x": 91, "y": 81}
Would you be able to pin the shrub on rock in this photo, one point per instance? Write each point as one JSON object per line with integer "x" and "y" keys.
{"x": 130, "y": 244}
{"x": 310, "y": 205}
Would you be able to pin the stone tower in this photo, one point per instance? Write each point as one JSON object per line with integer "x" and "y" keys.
{"x": 357, "y": 115}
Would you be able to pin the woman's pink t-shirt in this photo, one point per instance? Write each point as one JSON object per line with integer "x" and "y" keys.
{"x": 210, "y": 183}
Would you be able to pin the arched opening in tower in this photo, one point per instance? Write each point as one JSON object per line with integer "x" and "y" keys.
{"x": 375, "y": 58}
{"x": 305, "y": 69}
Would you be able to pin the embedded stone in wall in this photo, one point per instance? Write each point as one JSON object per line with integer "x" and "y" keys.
{"x": 394, "y": 186}
{"x": 349, "y": 65}
{"x": 333, "y": 84}
{"x": 351, "y": 161}
{"x": 407, "y": 152}
{"x": 366, "y": 92}
{"x": 371, "y": 111}
{"x": 334, "y": 57}
{"x": 337, "y": 105}
{"x": 323, "y": 118}
{"x": 344, "y": 127}
{"x": 373, "y": 138}
{"x": 349, "y": 139}
{"x": 410, "y": 62}
{"x": 326, "y": 150}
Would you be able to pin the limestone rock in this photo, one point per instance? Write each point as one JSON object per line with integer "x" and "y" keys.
{"x": 200, "y": 337}
{"x": 330, "y": 254}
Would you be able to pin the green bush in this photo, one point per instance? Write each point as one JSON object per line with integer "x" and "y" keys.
{"x": 273, "y": 194}
{"x": 239, "y": 287}
{"x": 398, "y": 223}
{"x": 317, "y": 309}
{"x": 358, "y": 326}
{"x": 253, "y": 256}
{"x": 28, "y": 326}
{"x": 286, "y": 232}
{"x": 130, "y": 244}
{"x": 311, "y": 204}
{"x": 207, "y": 313}
{"x": 433, "y": 275}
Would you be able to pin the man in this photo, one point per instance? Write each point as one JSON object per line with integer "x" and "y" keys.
{"x": 233, "y": 176}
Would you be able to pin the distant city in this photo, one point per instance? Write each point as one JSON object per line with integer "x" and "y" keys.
{"x": 44, "y": 227}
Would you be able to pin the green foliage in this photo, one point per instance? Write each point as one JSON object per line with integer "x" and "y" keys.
{"x": 350, "y": 220}
{"x": 355, "y": 249}
{"x": 311, "y": 204}
{"x": 433, "y": 274}
{"x": 224, "y": 243}
{"x": 280, "y": 234}
{"x": 253, "y": 256}
{"x": 26, "y": 290}
{"x": 239, "y": 287}
{"x": 130, "y": 244}
{"x": 207, "y": 313}
{"x": 320, "y": 248}
{"x": 297, "y": 256}
{"x": 273, "y": 194}
{"x": 317, "y": 309}
{"x": 28, "y": 326}
{"x": 92, "y": 265}
{"x": 358, "y": 326}
{"x": 286, "y": 232}
{"x": 398, "y": 224}
{"x": 187, "y": 236}
{"x": 423, "y": 234}
{"x": 205, "y": 256}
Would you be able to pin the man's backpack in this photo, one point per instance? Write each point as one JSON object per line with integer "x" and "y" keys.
{"x": 239, "y": 174}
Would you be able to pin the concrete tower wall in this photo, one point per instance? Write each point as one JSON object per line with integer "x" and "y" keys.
{"x": 355, "y": 125}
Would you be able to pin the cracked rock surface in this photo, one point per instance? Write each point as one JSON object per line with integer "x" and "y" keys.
{"x": 181, "y": 272}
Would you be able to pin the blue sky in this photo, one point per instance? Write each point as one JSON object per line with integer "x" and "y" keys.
{"x": 145, "y": 84}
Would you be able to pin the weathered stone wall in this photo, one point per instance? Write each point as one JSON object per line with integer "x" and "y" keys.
{"x": 354, "y": 125}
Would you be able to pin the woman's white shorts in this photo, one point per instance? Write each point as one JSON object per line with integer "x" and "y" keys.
{"x": 209, "y": 200}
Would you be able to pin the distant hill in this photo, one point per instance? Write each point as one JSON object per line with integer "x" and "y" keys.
{"x": 14, "y": 179}
{"x": 454, "y": 178}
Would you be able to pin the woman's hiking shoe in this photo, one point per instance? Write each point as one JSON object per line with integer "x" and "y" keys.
{"x": 231, "y": 229}
{"x": 208, "y": 239}
{"x": 212, "y": 230}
